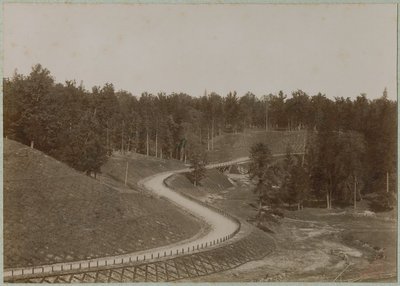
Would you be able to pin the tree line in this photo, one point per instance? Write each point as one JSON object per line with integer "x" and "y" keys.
{"x": 351, "y": 151}
{"x": 82, "y": 128}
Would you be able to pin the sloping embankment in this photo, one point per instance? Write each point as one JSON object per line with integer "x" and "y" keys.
{"x": 223, "y": 227}
{"x": 54, "y": 214}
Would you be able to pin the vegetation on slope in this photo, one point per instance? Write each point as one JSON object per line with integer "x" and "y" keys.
{"x": 213, "y": 183}
{"x": 54, "y": 214}
{"x": 139, "y": 167}
{"x": 232, "y": 146}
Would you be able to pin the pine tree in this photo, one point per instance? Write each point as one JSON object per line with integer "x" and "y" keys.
{"x": 264, "y": 172}
{"x": 198, "y": 161}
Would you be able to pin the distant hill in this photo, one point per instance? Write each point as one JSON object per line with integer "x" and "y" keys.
{"x": 53, "y": 213}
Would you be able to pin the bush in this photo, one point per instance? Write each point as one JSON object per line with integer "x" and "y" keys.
{"x": 382, "y": 202}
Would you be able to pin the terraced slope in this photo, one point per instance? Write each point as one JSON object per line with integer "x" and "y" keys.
{"x": 54, "y": 214}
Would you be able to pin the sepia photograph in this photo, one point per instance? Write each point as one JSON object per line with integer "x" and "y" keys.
{"x": 200, "y": 142}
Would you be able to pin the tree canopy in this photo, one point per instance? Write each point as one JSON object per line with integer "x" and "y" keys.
{"x": 81, "y": 127}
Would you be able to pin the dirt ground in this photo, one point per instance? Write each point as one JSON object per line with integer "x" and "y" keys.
{"x": 316, "y": 244}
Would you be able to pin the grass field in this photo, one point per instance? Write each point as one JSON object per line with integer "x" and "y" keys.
{"x": 213, "y": 183}
{"x": 53, "y": 213}
{"x": 232, "y": 146}
{"x": 139, "y": 167}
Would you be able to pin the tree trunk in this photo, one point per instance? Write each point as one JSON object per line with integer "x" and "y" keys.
{"x": 147, "y": 143}
{"x": 156, "y": 144}
{"x": 32, "y": 143}
{"x": 355, "y": 192}
{"x": 107, "y": 140}
{"x": 212, "y": 135}
{"x": 298, "y": 206}
{"x": 387, "y": 182}
{"x": 129, "y": 144}
{"x": 126, "y": 172}
{"x": 304, "y": 150}
{"x": 266, "y": 115}
{"x": 201, "y": 143}
{"x": 137, "y": 138}
{"x": 122, "y": 137}
{"x": 327, "y": 200}
{"x": 208, "y": 138}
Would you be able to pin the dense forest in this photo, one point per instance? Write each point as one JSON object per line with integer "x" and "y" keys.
{"x": 82, "y": 127}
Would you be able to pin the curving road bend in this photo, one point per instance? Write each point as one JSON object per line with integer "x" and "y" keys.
{"x": 220, "y": 229}
{"x": 219, "y": 226}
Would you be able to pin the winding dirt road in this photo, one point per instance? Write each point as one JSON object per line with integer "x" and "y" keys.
{"x": 220, "y": 228}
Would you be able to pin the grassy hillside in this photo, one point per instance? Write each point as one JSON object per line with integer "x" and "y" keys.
{"x": 139, "y": 167}
{"x": 213, "y": 182}
{"x": 231, "y": 146}
{"x": 53, "y": 213}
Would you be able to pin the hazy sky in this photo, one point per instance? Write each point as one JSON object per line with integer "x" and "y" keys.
{"x": 340, "y": 50}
